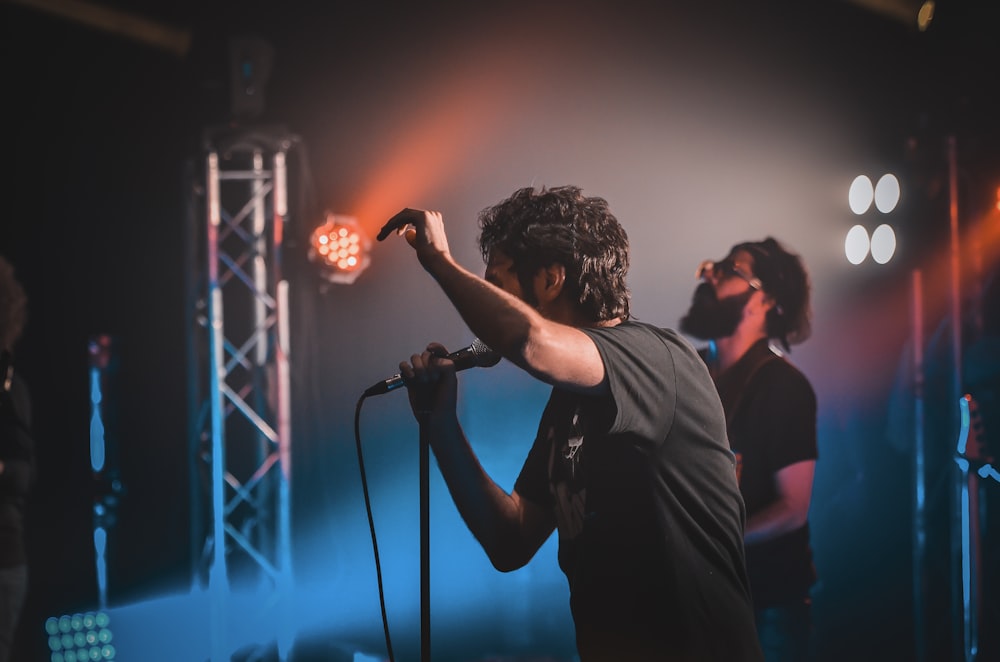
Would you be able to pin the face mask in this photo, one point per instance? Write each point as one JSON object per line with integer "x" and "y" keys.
{"x": 709, "y": 317}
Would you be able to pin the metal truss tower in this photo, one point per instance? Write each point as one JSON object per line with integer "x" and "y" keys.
{"x": 240, "y": 396}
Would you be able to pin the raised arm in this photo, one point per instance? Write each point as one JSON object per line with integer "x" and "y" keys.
{"x": 547, "y": 346}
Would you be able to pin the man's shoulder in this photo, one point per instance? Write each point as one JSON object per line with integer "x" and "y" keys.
{"x": 646, "y": 334}
{"x": 779, "y": 372}
{"x": 655, "y": 348}
{"x": 662, "y": 332}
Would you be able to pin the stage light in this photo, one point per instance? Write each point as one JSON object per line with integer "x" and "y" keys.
{"x": 861, "y": 194}
{"x": 925, "y": 15}
{"x": 133, "y": 26}
{"x": 80, "y": 638}
{"x": 856, "y": 245}
{"x": 883, "y": 244}
{"x": 340, "y": 249}
{"x": 887, "y": 193}
{"x": 912, "y": 13}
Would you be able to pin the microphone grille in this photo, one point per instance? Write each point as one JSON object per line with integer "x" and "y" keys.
{"x": 485, "y": 357}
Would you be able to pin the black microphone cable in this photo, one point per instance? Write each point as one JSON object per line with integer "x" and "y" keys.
{"x": 478, "y": 354}
{"x": 371, "y": 525}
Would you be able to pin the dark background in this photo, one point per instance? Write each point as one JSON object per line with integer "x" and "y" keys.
{"x": 703, "y": 126}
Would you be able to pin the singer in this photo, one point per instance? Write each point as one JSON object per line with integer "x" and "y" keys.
{"x": 630, "y": 462}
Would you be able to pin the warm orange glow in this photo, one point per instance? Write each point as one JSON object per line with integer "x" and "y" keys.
{"x": 979, "y": 247}
{"x": 865, "y": 336}
{"x": 435, "y": 147}
{"x": 454, "y": 118}
{"x": 340, "y": 249}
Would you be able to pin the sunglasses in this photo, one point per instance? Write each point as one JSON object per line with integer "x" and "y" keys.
{"x": 725, "y": 269}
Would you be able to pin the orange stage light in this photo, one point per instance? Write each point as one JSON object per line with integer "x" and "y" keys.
{"x": 340, "y": 248}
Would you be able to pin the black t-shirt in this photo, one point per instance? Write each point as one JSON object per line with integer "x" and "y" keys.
{"x": 771, "y": 408}
{"x": 642, "y": 485}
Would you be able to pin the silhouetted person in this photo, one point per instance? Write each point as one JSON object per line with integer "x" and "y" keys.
{"x": 16, "y": 460}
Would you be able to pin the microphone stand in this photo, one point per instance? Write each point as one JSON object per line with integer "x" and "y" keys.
{"x": 476, "y": 355}
{"x": 425, "y": 547}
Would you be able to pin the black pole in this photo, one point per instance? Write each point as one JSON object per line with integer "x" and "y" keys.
{"x": 425, "y": 547}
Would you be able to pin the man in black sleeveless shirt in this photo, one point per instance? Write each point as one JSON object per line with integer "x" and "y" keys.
{"x": 760, "y": 293}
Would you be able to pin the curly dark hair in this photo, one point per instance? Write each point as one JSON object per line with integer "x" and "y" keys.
{"x": 536, "y": 229}
{"x": 13, "y": 306}
{"x": 784, "y": 277}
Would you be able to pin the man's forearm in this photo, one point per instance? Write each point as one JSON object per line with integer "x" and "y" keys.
{"x": 488, "y": 511}
{"x": 775, "y": 520}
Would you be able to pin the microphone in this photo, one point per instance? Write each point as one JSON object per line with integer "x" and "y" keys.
{"x": 476, "y": 355}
